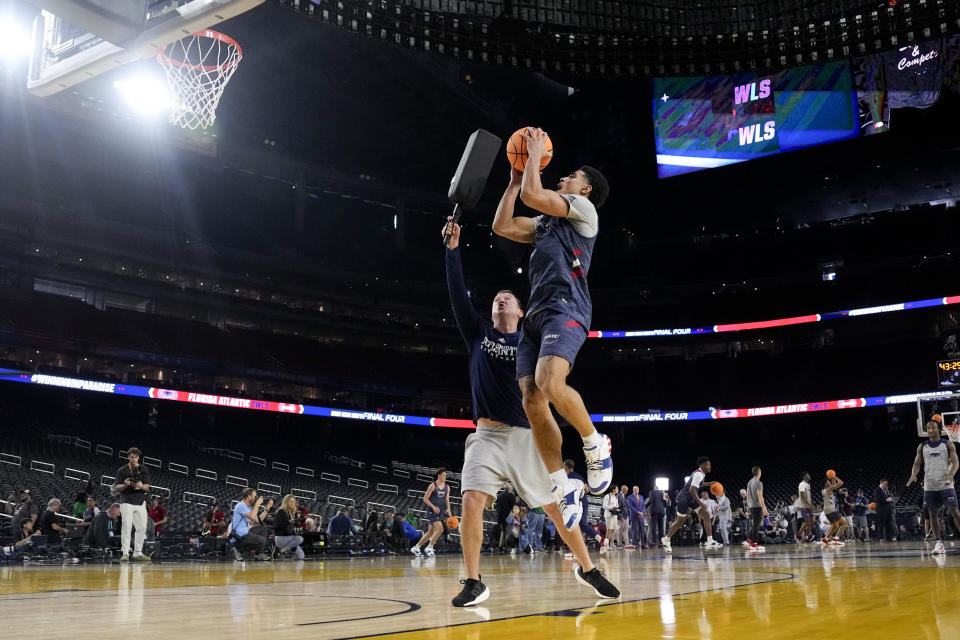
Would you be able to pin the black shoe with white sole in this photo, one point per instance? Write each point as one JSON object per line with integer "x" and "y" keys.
{"x": 597, "y": 581}
{"x": 474, "y": 592}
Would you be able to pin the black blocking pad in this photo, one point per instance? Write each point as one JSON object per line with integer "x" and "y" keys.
{"x": 468, "y": 182}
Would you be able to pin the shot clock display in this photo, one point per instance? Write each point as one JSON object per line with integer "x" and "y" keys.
{"x": 948, "y": 373}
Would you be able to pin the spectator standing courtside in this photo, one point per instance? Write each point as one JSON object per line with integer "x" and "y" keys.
{"x": 131, "y": 486}
{"x": 860, "y": 516}
{"x": 637, "y": 506}
{"x": 657, "y": 502}
{"x": 886, "y": 528}
{"x": 757, "y": 507}
{"x": 611, "y": 513}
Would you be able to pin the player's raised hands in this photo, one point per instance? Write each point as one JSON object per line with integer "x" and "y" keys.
{"x": 536, "y": 144}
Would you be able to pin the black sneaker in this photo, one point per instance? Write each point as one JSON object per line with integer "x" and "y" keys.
{"x": 474, "y": 592}
{"x": 596, "y": 581}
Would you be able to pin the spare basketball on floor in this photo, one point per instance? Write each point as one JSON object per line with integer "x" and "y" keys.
{"x": 517, "y": 150}
{"x": 831, "y": 473}
{"x": 716, "y": 489}
{"x": 453, "y": 522}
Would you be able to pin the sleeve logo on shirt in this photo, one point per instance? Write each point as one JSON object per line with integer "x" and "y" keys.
{"x": 551, "y": 338}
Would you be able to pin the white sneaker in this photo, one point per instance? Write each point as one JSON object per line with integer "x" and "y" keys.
{"x": 665, "y": 541}
{"x": 568, "y": 499}
{"x": 745, "y": 544}
{"x": 599, "y": 466}
{"x": 938, "y": 549}
{"x": 713, "y": 544}
{"x": 756, "y": 547}
{"x": 837, "y": 542}
{"x": 428, "y": 550}
{"x": 415, "y": 550}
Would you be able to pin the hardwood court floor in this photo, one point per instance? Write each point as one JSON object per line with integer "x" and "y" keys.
{"x": 873, "y": 591}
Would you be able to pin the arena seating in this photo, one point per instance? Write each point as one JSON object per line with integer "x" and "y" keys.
{"x": 189, "y": 482}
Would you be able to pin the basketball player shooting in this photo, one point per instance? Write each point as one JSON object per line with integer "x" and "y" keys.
{"x": 837, "y": 523}
{"x": 559, "y": 311}
{"x": 938, "y": 457}
{"x": 502, "y": 450}
{"x": 686, "y": 498}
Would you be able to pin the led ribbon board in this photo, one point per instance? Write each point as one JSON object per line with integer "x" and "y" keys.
{"x": 781, "y": 322}
{"x": 11, "y": 375}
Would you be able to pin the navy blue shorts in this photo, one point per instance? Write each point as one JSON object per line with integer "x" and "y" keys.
{"x": 548, "y": 333}
{"x": 684, "y": 502}
{"x": 435, "y": 517}
{"x": 937, "y": 499}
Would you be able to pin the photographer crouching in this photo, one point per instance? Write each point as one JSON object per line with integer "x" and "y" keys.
{"x": 132, "y": 485}
{"x": 247, "y": 525}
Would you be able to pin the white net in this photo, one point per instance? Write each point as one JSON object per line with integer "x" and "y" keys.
{"x": 952, "y": 431}
{"x": 198, "y": 68}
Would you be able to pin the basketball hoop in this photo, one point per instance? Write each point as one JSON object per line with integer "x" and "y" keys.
{"x": 952, "y": 431}
{"x": 198, "y": 68}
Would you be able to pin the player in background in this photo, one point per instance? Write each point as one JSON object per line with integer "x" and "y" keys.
{"x": 687, "y": 498}
{"x": 837, "y": 522}
{"x": 502, "y": 449}
{"x": 758, "y": 510}
{"x": 724, "y": 513}
{"x": 560, "y": 309}
{"x": 437, "y": 497}
{"x": 938, "y": 457}
{"x": 806, "y": 508}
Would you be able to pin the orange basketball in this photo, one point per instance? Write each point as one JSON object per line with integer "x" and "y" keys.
{"x": 937, "y": 418}
{"x": 872, "y": 506}
{"x": 831, "y": 473}
{"x": 453, "y": 522}
{"x": 716, "y": 489}
{"x": 517, "y": 151}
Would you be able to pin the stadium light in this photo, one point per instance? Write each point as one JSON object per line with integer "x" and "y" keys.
{"x": 145, "y": 94}
{"x": 15, "y": 41}
{"x": 663, "y": 484}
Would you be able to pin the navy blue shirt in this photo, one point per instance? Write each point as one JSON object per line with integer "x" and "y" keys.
{"x": 655, "y": 502}
{"x": 493, "y": 355}
{"x": 560, "y": 261}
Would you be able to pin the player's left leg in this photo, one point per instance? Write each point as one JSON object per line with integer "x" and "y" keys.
{"x": 551, "y": 379}
{"x": 586, "y": 573}
{"x": 708, "y": 529}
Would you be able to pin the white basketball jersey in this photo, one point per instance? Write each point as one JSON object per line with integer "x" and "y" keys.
{"x": 936, "y": 466}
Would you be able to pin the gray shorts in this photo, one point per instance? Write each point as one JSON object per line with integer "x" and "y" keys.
{"x": 494, "y": 456}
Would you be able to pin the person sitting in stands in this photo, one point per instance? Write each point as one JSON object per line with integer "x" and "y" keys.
{"x": 103, "y": 528}
{"x": 156, "y": 518}
{"x": 214, "y": 524}
{"x": 22, "y": 540}
{"x": 79, "y": 505}
{"x": 49, "y": 522}
{"x": 91, "y": 511}
{"x": 392, "y": 530}
{"x": 341, "y": 524}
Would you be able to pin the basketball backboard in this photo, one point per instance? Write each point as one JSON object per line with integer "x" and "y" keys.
{"x": 74, "y": 40}
{"x": 946, "y": 405}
